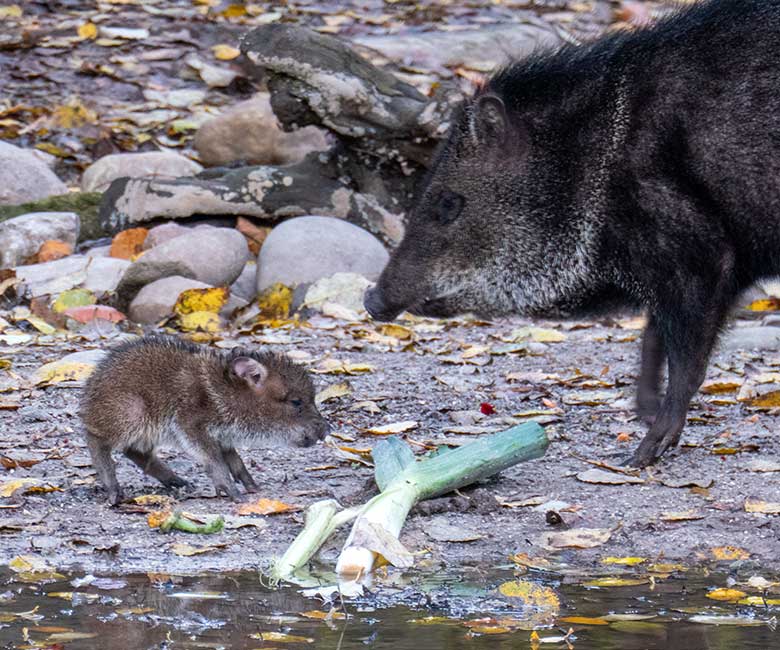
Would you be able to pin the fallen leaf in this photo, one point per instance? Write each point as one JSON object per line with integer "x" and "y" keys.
{"x": 192, "y": 301}
{"x": 747, "y": 621}
{"x": 719, "y": 387}
{"x": 531, "y": 594}
{"x": 27, "y": 486}
{"x": 73, "y": 298}
{"x": 53, "y": 249}
{"x": 390, "y": 429}
{"x": 128, "y": 244}
{"x": 576, "y": 538}
{"x": 223, "y": 52}
{"x": 759, "y": 601}
{"x": 87, "y": 31}
{"x": 334, "y": 391}
{"x": 199, "y": 321}
{"x": 726, "y": 594}
{"x": 89, "y": 313}
{"x": 538, "y": 334}
{"x": 319, "y": 615}
{"x": 703, "y": 483}
{"x": 754, "y": 504}
{"x": 765, "y": 304}
{"x": 336, "y": 367}
{"x": 584, "y": 620}
{"x": 607, "y": 478}
{"x": 274, "y": 303}
{"x": 616, "y": 582}
{"x": 58, "y": 371}
{"x": 188, "y": 550}
{"x": 281, "y": 637}
{"x": 266, "y": 507}
{"x": 763, "y": 465}
{"x": 625, "y": 561}
{"x": 685, "y": 515}
{"x": 729, "y": 553}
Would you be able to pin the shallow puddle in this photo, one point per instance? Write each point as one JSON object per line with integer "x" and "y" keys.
{"x": 412, "y": 611}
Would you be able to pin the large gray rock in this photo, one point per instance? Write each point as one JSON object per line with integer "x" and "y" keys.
{"x": 24, "y": 177}
{"x": 156, "y": 164}
{"x": 249, "y": 131}
{"x": 155, "y": 301}
{"x": 215, "y": 256}
{"x": 98, "y": 274}
{"x": 22, "y": 236}
{"x": 309, "y": 248}
{"x": 163, "y": 233}
{"x": 245, "y": 286}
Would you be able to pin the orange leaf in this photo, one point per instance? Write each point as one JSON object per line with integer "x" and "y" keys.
{"x": 266, "y": 507}
{"x": 128, "y": 243}
{"x": 88, "y": 313}
{"x": 53, "y": 249}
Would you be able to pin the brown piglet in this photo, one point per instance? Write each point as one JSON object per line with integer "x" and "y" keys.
{"x": 160, "y": 391}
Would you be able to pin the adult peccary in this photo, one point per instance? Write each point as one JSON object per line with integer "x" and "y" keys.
{"x": 643, "y": 168}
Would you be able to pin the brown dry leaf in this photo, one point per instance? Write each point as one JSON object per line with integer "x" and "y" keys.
{"x": 754, "y": 504}
{"x": 390, "y": 429}
{"x": 395, "y": 331}
{"x": 575, "y": 538}
{"x": 336, "y": 367}
{"x": 607, "y": 478}
{"x": 538, "y": 334}
{"x": 280, "y": 637}
{"x": 127, "y": 244}
{"x": 188, "y": 550}
{"x": 616, "y": 582}
{"x": 685, "y": 515}
{"x": 584, "y": 620}
{"x": 525, "y": 560}
{"x": 730, "y": 553}
{"x": 266, "y": 507}
{"x": 703, "y": 483}
{"x": 720, "y": 386}
{"x": 53, "y": 249}
{"x": 160, "y": 500}
{"x": 255, "y": 235}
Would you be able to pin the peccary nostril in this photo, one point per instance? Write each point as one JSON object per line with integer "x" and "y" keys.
{"x": 376, "y": 306}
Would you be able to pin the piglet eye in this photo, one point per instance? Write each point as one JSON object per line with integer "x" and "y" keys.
{"x": 448, "y": 206}
{"x": 296, "y": 403}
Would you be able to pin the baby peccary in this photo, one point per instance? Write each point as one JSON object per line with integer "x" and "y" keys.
{"x": 160, "y": 391}
{"x": 642, "y": 169}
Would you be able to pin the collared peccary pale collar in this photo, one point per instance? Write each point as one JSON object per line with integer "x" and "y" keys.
{"x": 643, "y": 168}
{"x": 161, "y": 391}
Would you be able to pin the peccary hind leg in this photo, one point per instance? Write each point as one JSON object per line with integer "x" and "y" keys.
{"x": 150, "y": 464}
{"x": 648, "y": 399}
{"x": 100, "y": 451}
{"x": 689, "y": 329}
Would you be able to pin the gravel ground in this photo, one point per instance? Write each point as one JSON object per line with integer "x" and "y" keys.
{"x": 428, "y": 381}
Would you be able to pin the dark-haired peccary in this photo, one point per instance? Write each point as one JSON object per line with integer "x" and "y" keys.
{"x": 161, "y": 391}
{"x": 643, "y": 168}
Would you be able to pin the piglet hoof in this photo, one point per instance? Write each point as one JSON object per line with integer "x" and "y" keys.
{"x": 115, "y": 497}
{"x": 252, "y": 488}
{"x": 229, "y": 491}
{"x": 647, "y": 409}
{"x": 177, "y": 482}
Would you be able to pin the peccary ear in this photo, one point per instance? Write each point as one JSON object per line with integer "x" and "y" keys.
{"x": 250, "y": 370}
{"x": 489, "y": 120}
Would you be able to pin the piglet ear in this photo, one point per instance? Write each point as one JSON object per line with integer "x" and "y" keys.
{"x": 250, "y": 370}
{"x": 489, "y": 120}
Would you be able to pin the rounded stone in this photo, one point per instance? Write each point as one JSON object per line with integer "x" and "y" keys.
{"x": 306, "y": 249}
{"x": 22, "y": 236}
{"x": 24, "y": 177}
{"x": 157, "y": 164}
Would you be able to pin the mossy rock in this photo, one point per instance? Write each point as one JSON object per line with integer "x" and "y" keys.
{"x": 84, "y": 204}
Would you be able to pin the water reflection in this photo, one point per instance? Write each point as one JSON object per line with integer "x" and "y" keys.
{"x": 234, "y": 611}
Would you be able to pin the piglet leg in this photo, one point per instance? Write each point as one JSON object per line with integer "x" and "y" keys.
{"x": 207, "y": 451}
{"x": 150, "y": 464}
{"x": 105, "y": 467}
{"x": 238, "y": 469}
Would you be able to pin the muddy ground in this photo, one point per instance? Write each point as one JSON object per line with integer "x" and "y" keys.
{"x": 426, "y": 380}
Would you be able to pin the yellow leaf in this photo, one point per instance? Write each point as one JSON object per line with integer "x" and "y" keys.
{"x": 336, "y": 367}
{"x": 661, "y": 567}
{"x": 27, "y": 563}
{"x": 73, "y": 298}
{"x": 759, "y": 601}
{"x": 87, "y": 31}
{"x": 153, "y": 500}
{"x": 333, "y": 391}
{"x": 280, "y": 637}
{"x": 396, "y": 331}
{"x": 318, "y": 615}
{"x": 156, "y": 518}
{"x": 531, "y": 594}
{"x": 266, "y": 507}
{"x": 754, "y": 504}
{"x": 27, "y": 485}
{"x": 765, "y": 304}
{"x": 11, "y": 11}
{"x": 767, "y": 400}
{"x": 584, "y": 620}
{"x": 73, "y": 115}
{"x": 729, "y": 553}
{"x": 390, "y": 429}
{"x": 199, "y": 321}
{"x": 224, "y": 52}
{"x": 538, "y": 334}
{"x": 41, "y": 325}
{"x": 199, "y": 300}
{"x": 719, "y": 387}
{"x": 627, "y": 561}
{"x": 57, "y": 371}
{"x": 616, "y": 582}
{"x": 726, "y": 594}
{"x": 274, "y": 302}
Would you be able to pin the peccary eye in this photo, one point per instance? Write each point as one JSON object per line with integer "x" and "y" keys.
{"x": 296, "y": 403}
{"x": 448, "y": 207}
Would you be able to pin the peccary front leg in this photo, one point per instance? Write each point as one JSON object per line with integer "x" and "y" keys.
{"x": 238, "y": 469}
{"x": 689, "y": 330}
{"x": 648, "y": 399}
{"x": 208, "y": 452}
